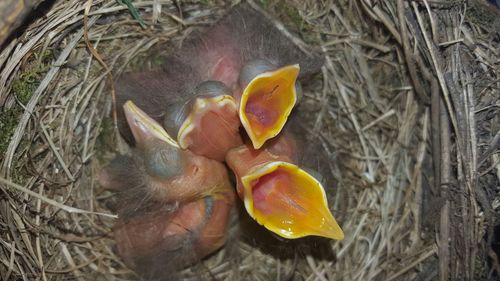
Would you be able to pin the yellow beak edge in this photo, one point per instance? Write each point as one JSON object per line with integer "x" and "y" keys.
{"x": 144, "y": 127}
{"x": 288, "y": 201}
{"x": 266, "y": 103}
{"x": 201, "y": 106}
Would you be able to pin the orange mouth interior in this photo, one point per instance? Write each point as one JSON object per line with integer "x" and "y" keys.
{"x": 266, "y": 103}
{"x": 289, "y": 202}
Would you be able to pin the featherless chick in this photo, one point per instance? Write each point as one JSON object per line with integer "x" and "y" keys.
{"x": 241, "y": 71}
{"x": 283, "y": 184}
{"x": 174, "y": 206}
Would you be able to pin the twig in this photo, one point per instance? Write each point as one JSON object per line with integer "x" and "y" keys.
{"x": 52, "y": 202}
{"x": 56, "y": 153}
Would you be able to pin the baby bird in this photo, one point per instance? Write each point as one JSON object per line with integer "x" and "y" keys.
{"x": 256, "y": 67}
{"x": 279, "y": 192}
{"x": 175, "y": 193}
{"x": 174, "y": 205}
{"x": 207, "y": 124}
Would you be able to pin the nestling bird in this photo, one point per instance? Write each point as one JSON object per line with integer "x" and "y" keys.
{"x": 279, "y": 192}
{"x": 175, "y": 205}
{"x": 176, "y": 198}
{"x": 256, "y": 67}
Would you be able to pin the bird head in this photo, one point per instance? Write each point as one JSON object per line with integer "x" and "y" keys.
{"x": 171, "y": 173}
{"x": 207, "y": 124}
{"x": 281, "y": 196}
{"x": 152, "y": 234}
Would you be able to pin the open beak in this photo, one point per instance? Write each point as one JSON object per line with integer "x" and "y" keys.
{"x": 266, "y": 103}
{"x": 163, "y": 157}
{"x": 279, "y": 195}
{"x": 174, "y": 206}
{"x": 288, "y": 201}
{"x": 173, "y": 174}
{"x": 144, "y": 128}
{"x": 212, "y": 127}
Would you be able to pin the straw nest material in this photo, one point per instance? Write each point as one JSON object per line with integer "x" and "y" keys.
{"x": 407, "y": 104}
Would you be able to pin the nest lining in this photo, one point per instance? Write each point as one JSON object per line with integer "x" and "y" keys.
{"x": 373, "y": 106}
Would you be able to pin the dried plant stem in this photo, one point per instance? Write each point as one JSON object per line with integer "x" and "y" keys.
{"x": 49, "y": 201}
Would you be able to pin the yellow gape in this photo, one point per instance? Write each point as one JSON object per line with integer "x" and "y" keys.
{"x": 288, "y": 201}
{"x": 266, "y": 103}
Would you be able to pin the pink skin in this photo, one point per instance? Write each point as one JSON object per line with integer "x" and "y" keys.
{"x": 263, "y": 116}
{"x": 264, "y": 186}
{"x": 226, "y": 70}
{"x": 149, "y": 235}
{"x": 216, "y": 132}
{"x": 141, "y": 235}
{"x": 219, "y": 57}
{"x": 241, "y": 160}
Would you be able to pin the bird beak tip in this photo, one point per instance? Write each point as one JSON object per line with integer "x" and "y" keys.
{"x": 288, "y": 201}
{"x": 144, "y": 127}
{"x": 331, "y": 229}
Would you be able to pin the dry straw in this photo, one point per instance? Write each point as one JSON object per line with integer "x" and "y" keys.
{"x": 407, "y": 104}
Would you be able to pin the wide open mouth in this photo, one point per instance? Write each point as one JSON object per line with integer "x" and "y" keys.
{"x": 288, "y": 201}
{"x": 204, "y": 107}
{"x": 266, "y": 103}
{"x": 212, "y": 127}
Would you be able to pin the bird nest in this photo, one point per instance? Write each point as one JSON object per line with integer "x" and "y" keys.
{"x": 407, "y": 106}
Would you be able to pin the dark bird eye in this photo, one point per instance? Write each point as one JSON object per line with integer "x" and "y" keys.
{"x": 175, "y": 115}
{"x": 212, "y": 89}
{"x": 163, "y": 161}
{"x": 258, "y": 66}
{"x": 253, "y": 68}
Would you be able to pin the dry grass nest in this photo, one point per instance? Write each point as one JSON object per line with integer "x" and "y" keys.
{"x": 407, "y": 104}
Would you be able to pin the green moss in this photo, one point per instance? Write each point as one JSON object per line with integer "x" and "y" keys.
{"x": 264, "y": 3}
{"x": 29, "y": 79}
{"x": 480, "y": 268}
{"x": 8, "y": 123}
{"x": 23, "y": 88}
